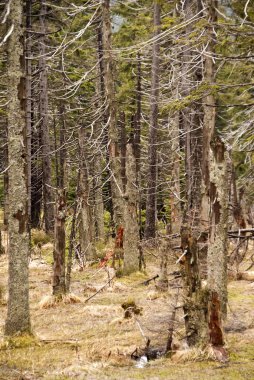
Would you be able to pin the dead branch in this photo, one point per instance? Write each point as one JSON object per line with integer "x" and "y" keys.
{"x": 98, "y": 291}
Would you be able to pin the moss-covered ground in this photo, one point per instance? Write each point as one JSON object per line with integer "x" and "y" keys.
{"x": 93, "y": 340}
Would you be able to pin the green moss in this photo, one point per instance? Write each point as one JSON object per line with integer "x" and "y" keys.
{"x": 20, "y": 341}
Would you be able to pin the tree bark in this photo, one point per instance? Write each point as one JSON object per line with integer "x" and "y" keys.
{"x": 109, "y": 81}
{"x": 86, "y": 222}
{"x": 43, "y": 112}
{"x": 28, "y": 51}
{"x": 150, "y": 228}
{"x": 59, "y": 287}
{"x": 18, "y": 316}
{"x": 131, "y": 232}
{"x": 193, "y": 296}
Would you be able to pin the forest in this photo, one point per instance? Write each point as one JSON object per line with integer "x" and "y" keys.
{"x": 126, "y": 189}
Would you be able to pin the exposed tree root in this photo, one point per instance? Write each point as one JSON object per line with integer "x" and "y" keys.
{"x": 198, "y": 354}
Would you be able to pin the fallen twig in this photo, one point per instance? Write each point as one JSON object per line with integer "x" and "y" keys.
{"x": 149, "y": 280}
{"x": 98, "y": 291}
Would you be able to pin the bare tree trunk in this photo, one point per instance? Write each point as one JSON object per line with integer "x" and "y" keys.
{"x": 164, "y": 250}
{"x": 18, "y": 316}
{"x": 150, "y": 228}
{"x": 215, "y": 180}
{"x": 36, "y": 181}
{"x": 218, "y": 241}
{"x": 6, "y": 180}
{"x": 115, "y": 165}
{"x": 123, "y": 142}
{"x": 59, "y": 287}
{"x": 45, "y": 140}
{"x": 86, "y": 222}
{"x": 131, "y": 234}
{"x": 137, "y": 137}
{"x": 28, "y": 50}
{"x": 72, "y": 239}
{"x": 195, "y": 302}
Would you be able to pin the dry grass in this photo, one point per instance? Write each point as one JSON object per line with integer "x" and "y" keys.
{"x": 53, "y": 301}
{"x": 93, "y": 340}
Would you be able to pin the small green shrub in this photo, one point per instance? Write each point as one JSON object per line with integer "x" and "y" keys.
{"x": 39, "y": 236}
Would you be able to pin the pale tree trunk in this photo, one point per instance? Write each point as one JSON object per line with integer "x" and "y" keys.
{"x": 215, "y": 179}
{"x": 150, "y": 228}
{"x": 114, "y": 159}
{"x": 218, "y": 241}
{"x": 43, "y": 113}
{"x": 131, "y": 232}
{"x": 59, "y": 287}
{"x": 18, "y": 316}
{"x": 86, "y": 221}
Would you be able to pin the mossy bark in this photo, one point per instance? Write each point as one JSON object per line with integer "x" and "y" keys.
{"x": 18, "y": 316}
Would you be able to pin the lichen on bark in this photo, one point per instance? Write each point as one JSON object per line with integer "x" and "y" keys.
{"x": 18, "y": 316}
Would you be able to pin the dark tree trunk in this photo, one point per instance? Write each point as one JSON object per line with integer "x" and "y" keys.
{"x": 123, "y": 142}
{"x": 59, "y": 286}
{"x": 150, "y": 228}
{"x": 28, "y": 51}
{"x": 43, "y": 113}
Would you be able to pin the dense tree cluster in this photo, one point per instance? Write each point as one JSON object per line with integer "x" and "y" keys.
{"x": 133, "y": 116}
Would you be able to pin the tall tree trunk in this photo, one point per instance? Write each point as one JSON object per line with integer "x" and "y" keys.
{"x": 43, "y": 113}
{"x": 137, "y": 137}
{"x": 131, "y": 234}
{"x": 59, "y": 286}
{"x": 123, "y": 142}
{"x": 217, "y": 245}
{"x": 86, "y": 222}
{"x": 36, "y": 180}
{"x": 215, "y": 180}
{"x": 192, "y": 121}
{"x": 114, "y": 159}
{"x": 62, "y": 150}
{"x": 28, "y": 51}
{"x": 18, "y": 316}
{"x": 150, "y": 228}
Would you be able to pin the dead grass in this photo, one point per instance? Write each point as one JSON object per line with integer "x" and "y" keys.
{"x": 53, "y": 301}
{"x": 93, "y": 340}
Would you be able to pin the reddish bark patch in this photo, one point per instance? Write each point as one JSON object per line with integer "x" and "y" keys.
{"x": 119, "y": 237}
{"x": 215, "y": 329}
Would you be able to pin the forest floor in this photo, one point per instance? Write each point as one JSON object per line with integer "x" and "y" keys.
{"x": 92, "y": 339}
